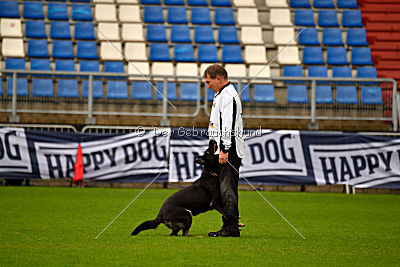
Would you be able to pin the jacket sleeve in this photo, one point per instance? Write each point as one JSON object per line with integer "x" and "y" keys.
{"x": 226, "y": 115}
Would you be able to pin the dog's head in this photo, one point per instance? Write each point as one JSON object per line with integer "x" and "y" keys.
{"x": 208, "y": 159}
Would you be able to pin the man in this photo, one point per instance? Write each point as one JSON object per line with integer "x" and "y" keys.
{"x": 226, "y": 128}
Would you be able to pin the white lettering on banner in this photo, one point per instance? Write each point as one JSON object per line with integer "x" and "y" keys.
{"x": 356, "y": 164}
{"x": 14, "y": 152}
{"x": 119, "y": 156}
{"x": 185, "y": 153}
{"x": 274, "y": 153}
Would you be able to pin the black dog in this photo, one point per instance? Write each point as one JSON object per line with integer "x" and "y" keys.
{"x": 203, "y": 195}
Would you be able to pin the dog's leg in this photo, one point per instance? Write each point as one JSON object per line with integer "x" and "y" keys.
{"x": 188, "y": 224}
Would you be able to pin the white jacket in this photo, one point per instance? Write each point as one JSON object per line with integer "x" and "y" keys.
{"x": 226, "y": 124}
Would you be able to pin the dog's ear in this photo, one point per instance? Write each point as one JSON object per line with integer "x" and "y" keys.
{"x": 200, "y": 161}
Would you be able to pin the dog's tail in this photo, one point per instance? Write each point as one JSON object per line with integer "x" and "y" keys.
{"x": 151, "y": 224}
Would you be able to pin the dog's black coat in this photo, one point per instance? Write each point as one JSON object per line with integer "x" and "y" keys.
{"x": 203, "y": 195}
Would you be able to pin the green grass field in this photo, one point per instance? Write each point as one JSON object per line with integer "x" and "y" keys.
{"x": 57, "y": 226}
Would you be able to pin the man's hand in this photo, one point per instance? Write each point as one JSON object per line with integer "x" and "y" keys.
{"x": 223, "y": 157}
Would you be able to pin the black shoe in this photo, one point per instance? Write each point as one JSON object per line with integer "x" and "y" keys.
{"x": 225, "y": 233}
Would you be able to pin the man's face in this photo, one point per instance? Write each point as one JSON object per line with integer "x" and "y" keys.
{"x": 214, "y": 84}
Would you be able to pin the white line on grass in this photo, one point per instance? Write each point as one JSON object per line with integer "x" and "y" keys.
{"x": 266, "y": 200}
{"x": 129, "y": 62}
{"x": 133, "y": 200}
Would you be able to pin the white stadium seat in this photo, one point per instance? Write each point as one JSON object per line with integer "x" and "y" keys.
{"x": 138, "y": 68}
{"x": 280, "y": 17}
{"x": 132, "y": 32}
{"x": 105, "y": 12}
{"x": 276, "y": 3}
{"x": 11, "y": 28}
{"x": 162, "y": 68}
{"x": 236, "y": 70}
{"x": 288, "y": 55}
{"x": 251, "y": 35}
{"x": 129, "y": 13}
{"x": 244, "y": 3}
{"x": 255, "y": 54}
{"x": 259, "y": 71}
{"x": 109, "y": 31}
{"x": 284, "y": 35}
{"x": 110, "y": 51}
{"x": 136, "y": 51}
{"x": 247, "y": 16}
{"x": 12, "y": 47}
{"x": 187, "y": 69}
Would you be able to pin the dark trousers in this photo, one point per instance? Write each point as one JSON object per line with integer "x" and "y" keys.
{"x": 229, "y": 179}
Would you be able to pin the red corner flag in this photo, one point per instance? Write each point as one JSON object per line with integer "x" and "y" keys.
{"x": 78, "y": 173}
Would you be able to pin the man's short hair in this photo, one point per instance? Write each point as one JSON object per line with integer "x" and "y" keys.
{"x": 215, "y": 70}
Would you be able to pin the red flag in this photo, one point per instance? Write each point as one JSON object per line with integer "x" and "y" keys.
{"x": 78, "y": 172}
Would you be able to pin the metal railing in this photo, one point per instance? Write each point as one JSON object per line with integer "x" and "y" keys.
{"x": 165, "y": 109}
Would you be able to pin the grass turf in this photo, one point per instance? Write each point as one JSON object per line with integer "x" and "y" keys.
{"x": 57, "y": 226}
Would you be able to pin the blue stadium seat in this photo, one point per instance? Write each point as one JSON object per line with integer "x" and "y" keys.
{"x": 22, "y": 86}
{"x": 232, "y": 54}
{"x": 159, "y": 52}
{"x": 304, "y": 17}
{"x": 351, "y": 18}
{"x": 189, "y": 91}
{"x": 300, "y": 3}
{"x": 347, "y": 4}
{"x": 356, "y": 37}
{"x": 361, "y": 56}
{"x": 22, "y": 83}
{"x": 9, "y": 9}
{"x": 142, "y": 90}
{"x": 84, "y": 31}
{"x": 97, "y": 89}
{"x": 318, "y": 71}
{"x": 37, "y": 48}
{"x": 332, "y": 36}
{"x": 204, "y": 34}
{"x": 346, "y": 95}
{"x": 264, "y": 93}
{"x": 91, "y": 66}
{"x": 293, "y": 71}
{"x": 114, "y": 66}
{"x": 224, "y": 16}
{"x": 40, "y": 86}
{"x": 65, "y": 65}
{"x": 156, "y": 33}
{"x": 150, "y": 2}
{"x": 68, "y": 88}
{"x": 177, "y": 15}
{"x": 221, "y": 3}
{"x": 312, "y": 55}
{"x": 82, "y": 12}
{"x": 210, "y": 93}
{"x": 87, "y": 50}
{"x": 197, "y": 2}
{"x": 33, "y": 10}
{"x": 117, "y": 89}
{"x": 327, "y": 18}
{"x": 366, "y": 72}
{"x": 245, "y": 92}
{"x": 309, "y": 36}
{"x": 323, "y": 94}
{"x": 174, "y": 2}
{"x": 371, "y": 95}
{"x": 57, "y": 11}
{"x": 153, "y": 14}
{"x": 62, "y": 49}
{"x": 180, "y": 34}
{"x": 297, "y": 94}
{"x": 207, "y": 53}
{"x": 228, "y": 35}
{"x": 337, "y": 56}
{"x": 183, "y": 53}
{"x": 342, "y": 72}
{"x": 323, "y": 4}
{"x": 60, "y": 30}
{"x": 1, "y": 89}
{"x": 201, "y": 15}
{"x": 171, "y": 93}
{"x": 35, "y": 29}
{"x": 80, "y": 1}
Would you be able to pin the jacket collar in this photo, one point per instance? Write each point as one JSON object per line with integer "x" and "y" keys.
{"x": 223, "y": 87}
